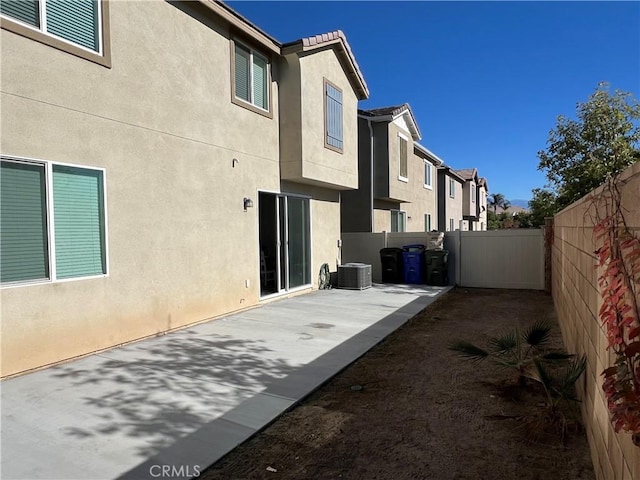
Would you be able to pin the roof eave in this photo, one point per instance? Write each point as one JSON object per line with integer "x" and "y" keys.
{"x": 238, "y": 21}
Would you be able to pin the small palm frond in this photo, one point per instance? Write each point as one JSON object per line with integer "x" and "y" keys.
{"x": 504, "y": 343}
{"x": 469, "y": 351}
{"x": 537, "y": 371}
{"x": 572, "y": 373}
{"x": 557, "y": 355}
{"x": 537, "y": 334}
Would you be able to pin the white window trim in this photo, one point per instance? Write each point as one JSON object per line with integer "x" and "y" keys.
{"x": 428, "y": 185}
{"x": 452, "y": 188}
{"x": 473, "y": 193}
{"x": 400, "y": 177}
{"x": 51, "y": 247}
{"x": 452, "y": 225}
{"x": 430, "y": 226}
{"x": 43, "y": 28}
{"x": 253, "y": 52}
{"x": 401, "y": 213}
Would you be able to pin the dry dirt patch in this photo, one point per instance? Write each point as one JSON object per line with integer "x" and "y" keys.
{"x": 411, "y": 409}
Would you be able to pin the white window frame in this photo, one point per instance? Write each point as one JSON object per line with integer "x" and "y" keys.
{"x": 406, "y": 139}
{"x": 427, "y": 222}
{"x": 50, "y": 221}
{"x": 43, "y": 28}
{"x": 428, "y": 168}
{"x": 452, "y": 225}
{"x": 473, "y": 192}
{"x": 401, "y": 217}
{"x": 452, "y": 188}
{"x": 241, "y": 101}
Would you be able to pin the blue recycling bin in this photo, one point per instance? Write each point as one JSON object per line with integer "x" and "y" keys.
{"x": 413, "y": 261}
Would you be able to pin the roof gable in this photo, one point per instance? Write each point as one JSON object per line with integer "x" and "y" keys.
{"x": 390, "y": 114}
{"x": 337, "y": 41}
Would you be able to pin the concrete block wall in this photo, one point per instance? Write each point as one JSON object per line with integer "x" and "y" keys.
{"x": 577, "y": 302}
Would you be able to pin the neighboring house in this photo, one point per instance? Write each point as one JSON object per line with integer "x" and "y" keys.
{"x": 424, "y": 207}
{"x": 162, "y": 164}
{"x": 483, "y": 193}
{"x": 474, "y": 199}
{"x": 391, "y": 174}
{"x": 450, "y": 200}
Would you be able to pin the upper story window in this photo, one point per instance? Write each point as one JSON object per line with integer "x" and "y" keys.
{"x": 333, "y": 137}
{"x": 473, "y": 193}
{"x": 403, "y": 156}
{"x": 452, "y": 188}
{"x": 427, "y": 175}
{"x": 78, "y": 27}
{"x": 53, "y": 222}
{"x": 251, "y": 79}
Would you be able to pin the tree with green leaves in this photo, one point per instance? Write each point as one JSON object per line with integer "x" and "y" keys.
{"x": 543, "y": 204}
{"x": 581, "y": 154}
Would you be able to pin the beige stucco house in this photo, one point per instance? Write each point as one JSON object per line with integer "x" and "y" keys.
{"x": 474, "y": 199}
{"x": 450, "y": 200}
{"x": 397, "y": 187}
{"x": 162, "y": 164}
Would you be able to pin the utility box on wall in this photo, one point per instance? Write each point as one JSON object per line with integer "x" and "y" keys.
{"x": 355, "y": 276}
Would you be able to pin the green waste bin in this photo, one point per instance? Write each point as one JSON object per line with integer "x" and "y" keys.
{"x": 436, "y": 267}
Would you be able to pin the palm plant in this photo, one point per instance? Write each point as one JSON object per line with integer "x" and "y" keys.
{"x": 514, "y": 350}
{"x": 496, "y": 200}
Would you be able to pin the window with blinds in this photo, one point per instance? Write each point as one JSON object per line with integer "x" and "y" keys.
{"x": 251, "y": 77}
{"x": 403, "y": 158}
{"x": 50, "y": 242}
{"x": 333, "y": 116}
{"x": 75, "y": 21}
{"x": 452, "y": 188}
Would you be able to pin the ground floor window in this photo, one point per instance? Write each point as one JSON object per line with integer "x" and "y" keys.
{"x": 427, "y": 222}
{"x": 398, "y": 221}
{"x": 452, "y": 226}
{"x": 52, "y": 221}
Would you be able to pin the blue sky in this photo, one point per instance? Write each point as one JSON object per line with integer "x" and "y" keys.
{"x": 486, "y": 80}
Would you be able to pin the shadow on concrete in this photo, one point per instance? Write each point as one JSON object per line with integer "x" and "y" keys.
{"x": 165, "y": 391}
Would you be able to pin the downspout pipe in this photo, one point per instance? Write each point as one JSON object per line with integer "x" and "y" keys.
{"x": 371, "y": 169}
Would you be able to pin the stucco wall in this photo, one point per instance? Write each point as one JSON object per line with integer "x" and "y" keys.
{"x": 356, "y": 207}
{"x": 181, "y": 248}
{"x": 315, "y": 163}
{"x": 422, "y": 199}
{"x": 399, "y": 189}
{"x": 577, "y": 302}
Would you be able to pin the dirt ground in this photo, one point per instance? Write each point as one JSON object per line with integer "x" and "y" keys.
{"x": 411, "y": 409}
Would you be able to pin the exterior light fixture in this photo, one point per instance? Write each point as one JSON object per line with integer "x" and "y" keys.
{"x": 247, "y": 202}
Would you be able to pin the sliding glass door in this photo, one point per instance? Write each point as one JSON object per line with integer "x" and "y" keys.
{"x": 285, "y": 242}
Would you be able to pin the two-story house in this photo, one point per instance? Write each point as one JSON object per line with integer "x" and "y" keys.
{"x": 424, "y": 207}
{"x": 483, "y": 193}
{"x": 450, "y": 200}
{"x": 162, "y": 164}
{"x": 392, "y": 184}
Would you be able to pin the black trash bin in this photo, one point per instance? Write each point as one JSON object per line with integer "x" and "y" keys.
{"x": 391, "y": 260}
{"x": 436, "y": 266}
{"x": 413, "y": 259}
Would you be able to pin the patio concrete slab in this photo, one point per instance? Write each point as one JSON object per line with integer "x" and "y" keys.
{"x": 179, "y": 402}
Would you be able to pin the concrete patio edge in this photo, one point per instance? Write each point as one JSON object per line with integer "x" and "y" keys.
{"x": 192, "y": 454}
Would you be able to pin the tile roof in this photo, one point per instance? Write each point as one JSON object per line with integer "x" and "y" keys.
{"x": 336, "y": 37}
{"x": 467, "y": 173}
{"x": 389, "y": 114}
{"x": 385, "y": 111}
